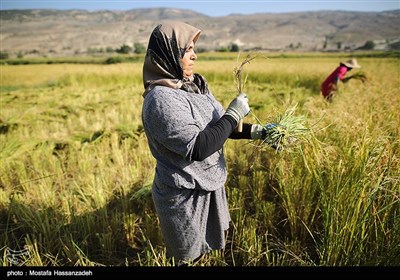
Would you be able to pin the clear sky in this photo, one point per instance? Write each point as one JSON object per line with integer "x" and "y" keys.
{"x": 210, "y": 7}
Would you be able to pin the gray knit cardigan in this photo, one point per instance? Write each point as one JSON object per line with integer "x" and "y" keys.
{"x": 189, "y": 196}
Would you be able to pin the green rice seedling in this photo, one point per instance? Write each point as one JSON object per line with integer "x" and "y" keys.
{"x": 286, "y": 130}
{"x": 356, "y": 76}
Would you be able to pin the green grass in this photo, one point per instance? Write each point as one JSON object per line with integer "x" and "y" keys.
{"x": 75, "y": 167}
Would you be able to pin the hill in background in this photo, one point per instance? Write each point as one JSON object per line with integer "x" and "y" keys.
{"x": 79, "y": 32}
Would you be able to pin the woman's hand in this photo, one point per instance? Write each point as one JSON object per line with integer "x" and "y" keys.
{"x": 239, "y": 107}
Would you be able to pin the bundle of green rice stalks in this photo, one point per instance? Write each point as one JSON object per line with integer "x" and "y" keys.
{"x": 356, "y": 76}
{"x": 287, "y": 130}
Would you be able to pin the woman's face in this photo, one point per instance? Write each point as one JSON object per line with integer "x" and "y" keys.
{"x": 188, "y": 61}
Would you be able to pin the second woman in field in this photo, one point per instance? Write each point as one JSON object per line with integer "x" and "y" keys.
{"x": 331, "y": 84}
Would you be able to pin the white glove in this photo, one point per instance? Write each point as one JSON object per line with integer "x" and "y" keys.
{"x": 257, "y": 131}
{"x": 239, "y": 107}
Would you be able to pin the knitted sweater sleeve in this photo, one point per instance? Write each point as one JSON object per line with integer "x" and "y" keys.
{"x": 213, "y": 137}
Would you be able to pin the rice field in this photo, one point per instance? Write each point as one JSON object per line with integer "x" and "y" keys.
{"x": 76, "y": 171}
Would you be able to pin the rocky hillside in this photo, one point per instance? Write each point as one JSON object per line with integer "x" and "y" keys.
{"x": 74, "y": 32}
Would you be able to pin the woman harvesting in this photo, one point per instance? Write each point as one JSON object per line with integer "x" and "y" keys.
{"x": 331, "y": 83}
{"x": 186, "y": 128}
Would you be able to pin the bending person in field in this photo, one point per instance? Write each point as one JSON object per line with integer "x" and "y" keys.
{"x": 331, "y": 84}
{"x": 186, "y": 128}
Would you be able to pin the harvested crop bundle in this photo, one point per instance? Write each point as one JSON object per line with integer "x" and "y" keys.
{"x": 356, "y": 76}
{"x": 286, "y": 130}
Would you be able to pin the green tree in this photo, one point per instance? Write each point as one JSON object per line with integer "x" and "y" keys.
{"x": 369, "y": 45}
{"x": 394, "y": 46}
{"x": 223, "y": 49}
{"x": 125, "y": 49}
{"x": 234, "y": 47}
{"x": 3, "y": 55}
{"x": 139, "y": 48}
